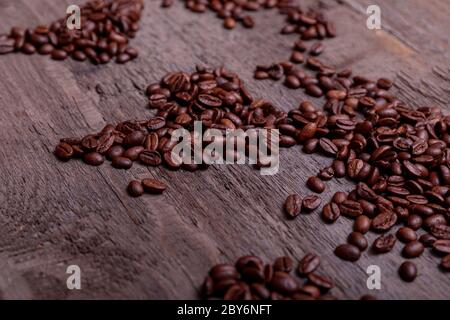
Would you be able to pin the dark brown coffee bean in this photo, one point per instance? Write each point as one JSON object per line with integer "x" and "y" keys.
{"x": 328, "y": 147}
{"x": 339, "y": 168}
{"x": 121, "y": 163}
{"x": 63, "y": 151}
{"x": 384, "y": 221}
{"x": 284, "y": 264}
{"x": 339, "y": 197}
{"x": 283, "y": 283}
{"x": 407, "y": 271}
{"x": 413, "y": 249}
{"x": 115, "y": 151}
{"x": 427, "y": 240}
{"x": 150, "y": 158}
{"x": 384, "y": 243}
{"x": 414, "y": 222}
{"x": 7, "y": 45}
{"x": 308, "y": 264}
{"x": 297, "y": 57}
{"x": 406, "y": 234}
{"x": 315, "y": 184}
{"x": 292, "y": 82}
{"x": 93, "y": 159}
{"x": 293, "y": 206}
{"x": 153, "y": 186}
{"x": 347, "y": 252}
{"x": 323, "y": 282}
{"x": 135, "y": 138}
{"x": 351, "y": 209}
{"x": 133, "y": 153}
{"x": 330, "y": 212}
{"x": 442, "y": 246}
{"x": 314, "y": 90}
{"x": 445, "y": 262}
{"x": 326, "y": 174}
{"x": 59, "y": 54}
{"x": 135, "y": 189}
{"x": 229, "y": 23}
{"x": 362, "y": 224}
{"x": 311, "y": 203}
{"x": 358, "y": 240}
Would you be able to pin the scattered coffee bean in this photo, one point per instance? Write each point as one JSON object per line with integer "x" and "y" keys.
{"x": 311, "y": 203}
{"x": 348, "y": 252}
{"x": 330, "y": 212}
{"x": 315, "y": 184}
{"x": 135, "y": 189}
{"x": 358, "y": 240}
{"x": 153, "y": 186}
{"x": 406, "y": 234}
{"x": 293, "y": 206}
{"x": 413, "y": 249}
{"x": 408, "y": 271}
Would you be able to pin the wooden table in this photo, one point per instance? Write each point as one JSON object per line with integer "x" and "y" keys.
{"x": 55, "y": 214}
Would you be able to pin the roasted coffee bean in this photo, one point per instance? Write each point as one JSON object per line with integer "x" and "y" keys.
{"x": 339, "y": 197}
{"x": 445, "y": 262}
{"x": 121, "y": 163}
{"x": 384, "y": 243}
{"x": 293, "y": 206}
{"x": 133, "y": 153}
{"x": 427, "y": 240}
{"x": 406, "y": 234}
{"x": 330, "y": 212}
{"x": 351, "y": 209}
{"x": 153, "y": 186}
{"x": 315, "y": 184}
{"x": 339, "y": 168}
{"x": 135, "y": 189}
{"x": 408, "y": 271}
{"x": 115, "y": 151}
{"x": 63, "y": 151}
{"x": 150, "y": 158}
{"x": 283, "y": 283}
{"x": 326, "y": 174}
{"x": 284, "y": 264}
{"x": 362, "y": 224}
{"x": 413, "y": 249}
{"x": 347, "y": 252}
{"x": 358, "y": 240}
{"x": 311, "y": 203}
{"x": 323, "y": 282}
{"x": 384, "y": 221}
{"x": 308, "y": 264}
{"x": 109, "y": 22}
{"x": 414, "y": 222}
{"x": 442, "y": 246}
{"x": 328, "y": 147}
{"x": 93, "y": 159}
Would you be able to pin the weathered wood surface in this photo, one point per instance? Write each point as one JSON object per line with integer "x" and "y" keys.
{"x": 53, "y": 215}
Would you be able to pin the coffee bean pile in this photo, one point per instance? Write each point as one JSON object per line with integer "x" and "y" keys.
{"x": 233, "y": 12}
{"x": 216, "y": 97}
{"x": 106, "y": 27}
{"x": 398, "y": 156}
{"x": 251, "y": 279}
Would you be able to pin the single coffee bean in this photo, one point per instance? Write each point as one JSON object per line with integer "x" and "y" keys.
{"x": 93, "y": 159}
{"x": 308, "y": 264}
{"x": 408, "y": 271}
{"x": 293, "y": 206}
{"x": 339, "y": 168}
{"x": 150, "y": 158}
{"x": 153, "y": 186}
{"x": 135, "y": 189}
{"x": 414, "y": 222}
{"x": 351, "y": 209}
{"x": 133, "y": 153}
{"x": 121, "y": 163}
{"x": 358, "y": 240}
{"x": 339, "y": 197}
{"x": 311, "y": 203}
{"x": 63, "y": 151}
{"x": 427, "y": 240}
{"x": 362, "y": 224}
{"x": 326, "y": 174}
{"x": 115, "y": 151}
{"x": 315, "y": 184}
{"x": 413, "y": 249}
{"x": 59, "y": 54}
{"x": 384, "y": 243}
{"x": 347, "y": 252}
{"x": 445, "y": 262}
{"x": 323, "y": 282}
{"x": 283, "y": 283}
{"x": 284, "y": 264}
{"x": 330, "y": 212}
{"x": 405, "y": 234}
{"x": 442, "y": 246}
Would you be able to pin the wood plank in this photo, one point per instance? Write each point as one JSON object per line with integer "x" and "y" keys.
{"x": 55, "y": 214}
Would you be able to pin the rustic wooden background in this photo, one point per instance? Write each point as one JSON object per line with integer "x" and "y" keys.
{"x": 53, "y": 214}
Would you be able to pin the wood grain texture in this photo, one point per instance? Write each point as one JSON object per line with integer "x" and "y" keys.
{"x": 157, "y": 247}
